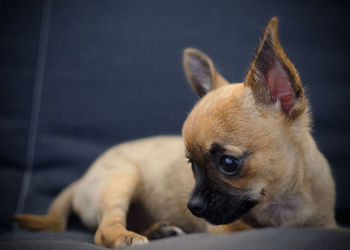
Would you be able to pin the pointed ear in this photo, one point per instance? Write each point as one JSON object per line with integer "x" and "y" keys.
{"x": 272, "y": 76}
{"x": 200, "y": 72}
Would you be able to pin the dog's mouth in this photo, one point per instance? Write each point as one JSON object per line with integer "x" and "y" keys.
{"x": 218, "y": 202}
{"x": 220, "y": 208}
{"x": 228, "y": 213}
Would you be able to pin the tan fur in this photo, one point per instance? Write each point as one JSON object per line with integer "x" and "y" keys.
{"x": 285, "y": 161}
{"x": 132, "y": 172}
{"x": 236, "y": 226}
{"x": 285, "y": 170}
{"x": 39, "y": 222}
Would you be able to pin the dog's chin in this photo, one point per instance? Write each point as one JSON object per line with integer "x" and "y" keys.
{"x": 221, "y": 220}
{"x": 226, "y": 215}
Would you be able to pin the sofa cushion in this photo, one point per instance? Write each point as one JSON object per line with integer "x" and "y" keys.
{"x": 262, "y": 239}
{"x": 77, "y": 77}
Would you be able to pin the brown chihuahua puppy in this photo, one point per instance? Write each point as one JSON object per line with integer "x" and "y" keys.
{"x": 254, "y": 162}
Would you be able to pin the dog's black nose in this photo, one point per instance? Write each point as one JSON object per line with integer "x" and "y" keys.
{"x": 196, "y": 205}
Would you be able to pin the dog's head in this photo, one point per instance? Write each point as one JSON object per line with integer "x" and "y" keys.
{"x": 243, "y": 139}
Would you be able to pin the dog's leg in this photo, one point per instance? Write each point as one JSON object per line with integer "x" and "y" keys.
{"x": 161, "y": 230}
{"x": 235, "y": 226}
{"x": 115, "y": 203}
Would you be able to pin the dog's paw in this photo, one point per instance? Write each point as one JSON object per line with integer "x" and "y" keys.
{"x": 119, "y": 239}
{"x": 129, "y": 239}
{"x": 162, "y": 230}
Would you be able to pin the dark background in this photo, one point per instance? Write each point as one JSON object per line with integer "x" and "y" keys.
{"x": 79, "y": 76}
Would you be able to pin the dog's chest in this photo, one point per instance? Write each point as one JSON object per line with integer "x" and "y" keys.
{"x": 291, "y": 211}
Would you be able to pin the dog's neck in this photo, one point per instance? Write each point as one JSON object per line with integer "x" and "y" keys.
{"x": 318, "y": 183}
{"x": 307, "y": 197}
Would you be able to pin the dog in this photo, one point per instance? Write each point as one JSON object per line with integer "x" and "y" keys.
{"x": 246, "y": 152}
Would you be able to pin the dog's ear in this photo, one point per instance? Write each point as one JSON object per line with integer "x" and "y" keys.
{"x": 273, "y": 78}
{"x": 200, "y": 72}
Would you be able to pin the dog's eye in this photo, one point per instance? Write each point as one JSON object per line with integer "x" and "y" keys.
{"x": 229, "y": 165}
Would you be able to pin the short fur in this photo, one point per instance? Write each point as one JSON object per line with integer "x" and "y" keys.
{"x": 264, "y": 123}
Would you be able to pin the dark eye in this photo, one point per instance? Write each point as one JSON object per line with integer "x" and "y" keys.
{"x": 229, "y": 165}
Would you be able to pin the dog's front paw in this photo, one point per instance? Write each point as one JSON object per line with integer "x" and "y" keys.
{"x": 119, "y": 239}
{"x": 129, "y": 239}
{"x": 162, "y": 230}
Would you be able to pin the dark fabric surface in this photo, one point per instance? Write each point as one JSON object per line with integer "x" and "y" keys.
{"x": 262, "y": 239}
{"x": 48, "y": 236}
{"x": 48, "y": 245}
{"x": 77, "y": 77}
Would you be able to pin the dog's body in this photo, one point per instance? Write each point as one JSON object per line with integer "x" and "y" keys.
{"x": 254, "y": 162}
{"x": 147, "y": 163}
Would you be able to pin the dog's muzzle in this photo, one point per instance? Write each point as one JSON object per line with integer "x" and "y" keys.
{"x": 218, "y": 208}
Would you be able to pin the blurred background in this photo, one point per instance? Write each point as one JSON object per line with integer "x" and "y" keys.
{"x": 77, "y": 77}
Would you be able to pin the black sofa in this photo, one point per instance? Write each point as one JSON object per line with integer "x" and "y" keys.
{"x": 77, "y": 77}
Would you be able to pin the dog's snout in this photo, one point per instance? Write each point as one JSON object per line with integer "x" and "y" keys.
{"x": 196, "y": 205}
